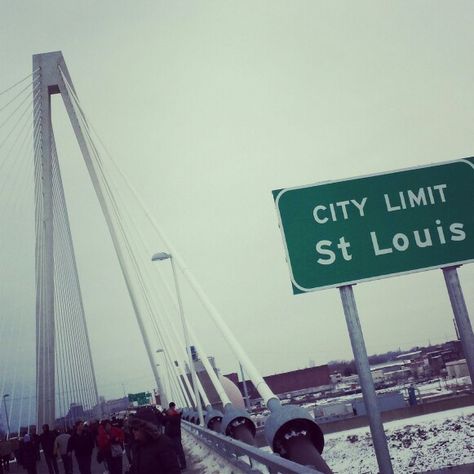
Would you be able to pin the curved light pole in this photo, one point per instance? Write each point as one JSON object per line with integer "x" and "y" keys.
{"x": 6, "y": 413}
{"x": 166, "y": 256}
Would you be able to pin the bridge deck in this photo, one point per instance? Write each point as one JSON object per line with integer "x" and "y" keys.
{"x": 198, "y": 462}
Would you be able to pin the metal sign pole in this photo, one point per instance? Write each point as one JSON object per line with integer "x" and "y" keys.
{"x": 461, "y": 315}
{"x": 365, "y": 379}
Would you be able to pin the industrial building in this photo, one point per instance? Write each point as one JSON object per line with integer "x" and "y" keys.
{"x": 293, "y": 383}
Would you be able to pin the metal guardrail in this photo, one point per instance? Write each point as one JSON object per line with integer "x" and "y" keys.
{"x": 247, "y": 458}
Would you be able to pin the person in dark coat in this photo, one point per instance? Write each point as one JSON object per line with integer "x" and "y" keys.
{"x": 5, "y": 454}
{"x": 172, "y": 422}
{"x": 28, "y": 454}
{"x": 47, "y": 438}
{"x": 152, "y": 452}
{"x": 82, "y": 443}
{"x": 35, "y": 439}
{"x": 150, "y": 414}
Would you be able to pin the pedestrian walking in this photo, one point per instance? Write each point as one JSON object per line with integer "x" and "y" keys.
{"x": 172, "y": 421}
{"x": 110, "y": 441}
{"x": 5, "y": 454}
{"x": 82, "y": 444}
{"x": 35, "y": 439}
{"x": 60, "y": 449}
{"x": 152, "y": 452}
{"x": 128, "y": 441}
{"x": 15, "y": 444}
{"x": 28, "y": 454}
{"x": 47, "y": 438}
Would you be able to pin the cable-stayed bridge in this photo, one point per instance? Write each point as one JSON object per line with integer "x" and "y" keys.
{"x": 47, "y": 364}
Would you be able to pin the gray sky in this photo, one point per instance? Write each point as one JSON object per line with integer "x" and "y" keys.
{"x": 209, "y": 106}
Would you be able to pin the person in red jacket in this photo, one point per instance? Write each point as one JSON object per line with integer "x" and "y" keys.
{"x": 110, "y": 443}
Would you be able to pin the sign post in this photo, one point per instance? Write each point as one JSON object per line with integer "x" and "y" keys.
{"x": 365, "y": 379}
{"x": 340, "y": 233}
{"x": 461, "y": 315}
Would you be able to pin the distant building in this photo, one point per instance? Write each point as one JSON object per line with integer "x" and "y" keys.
{"x": 385, "y": 402}
{"x": 457, "y": 369}
{"x": 352, "y": 380}
{"x": 76, "y": 412}
{"x": 391, "y": 371}
{"x": 422, "y": 363}
{"x": 295, "y": 382}
{"x": 336, "y": 378}
{"x": 331, "y": 411}
{"x": 110, "y": 407}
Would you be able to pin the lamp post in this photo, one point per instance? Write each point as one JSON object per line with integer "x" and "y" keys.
{"x": 161, "y": 385}
{"x": 166, "y": 256}
{"x": 6, "y": 413}
{"x": 167, "y": 379}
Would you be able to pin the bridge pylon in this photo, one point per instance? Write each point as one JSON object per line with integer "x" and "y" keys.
{"x": 49, "y": 70}
{"x": 54, "y": 78}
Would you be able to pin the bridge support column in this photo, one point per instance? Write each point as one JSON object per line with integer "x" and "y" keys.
{"x": 45, "y": 327}
{"x": 47, "y": 71}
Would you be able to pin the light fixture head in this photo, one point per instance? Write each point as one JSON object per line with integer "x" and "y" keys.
{"x": 160, "y": 256}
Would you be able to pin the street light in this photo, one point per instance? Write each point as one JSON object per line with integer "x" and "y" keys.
{"x": 161, "y": 386}
{"x": 166, "y": 256}
{"x": 167, "y": 381}
{"x": 6, "y": 413}
{"x": 161, "y": 256}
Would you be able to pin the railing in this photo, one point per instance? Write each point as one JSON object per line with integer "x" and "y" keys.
{"x": 247, "y": 458}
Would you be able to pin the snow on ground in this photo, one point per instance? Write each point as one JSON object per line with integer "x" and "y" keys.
{"x": 200, "y": 459}
{"x": 418, "y": 444}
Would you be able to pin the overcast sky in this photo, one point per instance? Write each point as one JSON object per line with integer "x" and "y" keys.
{"x": 209, "y": 106}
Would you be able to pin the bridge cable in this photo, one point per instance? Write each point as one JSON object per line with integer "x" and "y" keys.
{"x": 114, "y": 206}
{"x": 12, "y": 114}
{"x": 14, "y": 176}
{"x": 27, "y": 88}
{"x": 75, "y": 307}
{"x": 137, "y": 267}
{"x": 68, "y": 381}
{"x": 150, "y": 294}
{"x": 117, "y": 213}
{"x": 19, "y": 82}
{"x": 118, "y": 220}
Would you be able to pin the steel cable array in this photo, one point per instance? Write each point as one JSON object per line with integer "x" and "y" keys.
{"x": 138, "y": 261}
{"x": 19, "y": 189}
{"x": 17, "y": 282}
{"x": 73, "y": 361}
{"x": 73, "y": 371}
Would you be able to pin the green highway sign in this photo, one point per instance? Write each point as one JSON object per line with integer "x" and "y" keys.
{"x": 344, "y": 232}
{"x": 142, "y": 398}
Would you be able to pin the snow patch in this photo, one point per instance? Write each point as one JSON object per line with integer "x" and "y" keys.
{"x": 419, "y": 444}
{"x": 204, "y": 460}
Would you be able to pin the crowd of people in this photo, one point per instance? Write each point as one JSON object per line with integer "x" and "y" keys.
{"x": 149, "y": 438}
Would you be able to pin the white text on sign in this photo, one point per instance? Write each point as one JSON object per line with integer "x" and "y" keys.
{"x": 437, "y": 234}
